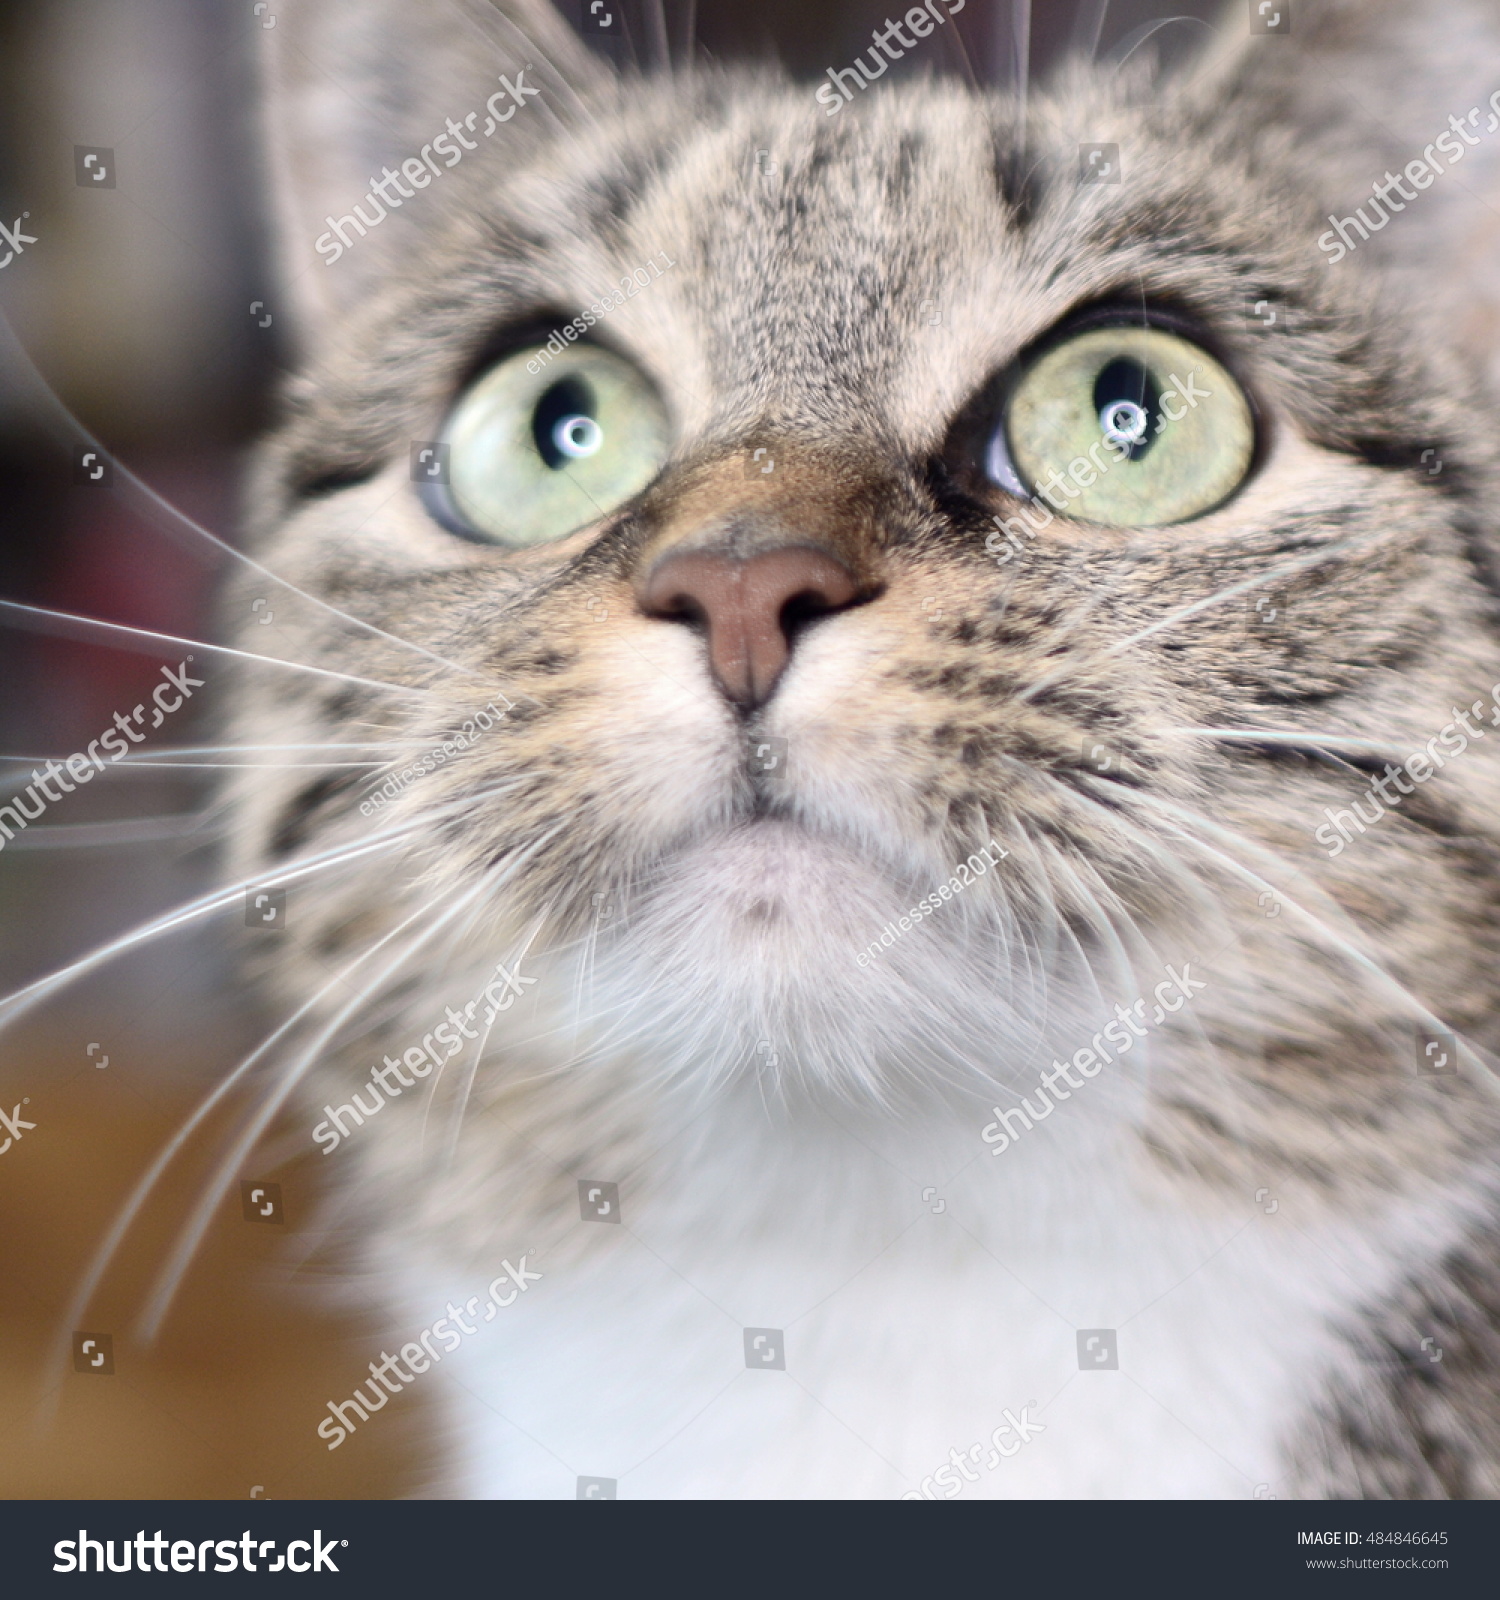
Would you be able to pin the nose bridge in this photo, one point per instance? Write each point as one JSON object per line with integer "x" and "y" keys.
{"x": 763, "y": 498}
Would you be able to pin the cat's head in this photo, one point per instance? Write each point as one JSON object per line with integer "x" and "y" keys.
{"x": 698, "y": 422}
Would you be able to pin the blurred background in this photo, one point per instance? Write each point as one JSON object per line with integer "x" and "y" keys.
{"x": 142, "y": 331}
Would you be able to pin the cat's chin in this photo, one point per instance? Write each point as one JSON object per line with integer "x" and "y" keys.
{"x": 766, "y": 946}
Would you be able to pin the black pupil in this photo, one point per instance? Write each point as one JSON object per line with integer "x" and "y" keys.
{"x": 568, "y": 397}
{"x": 1128, "y": 380}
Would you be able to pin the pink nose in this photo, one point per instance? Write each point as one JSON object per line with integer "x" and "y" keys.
{"x": 752, "y": 609}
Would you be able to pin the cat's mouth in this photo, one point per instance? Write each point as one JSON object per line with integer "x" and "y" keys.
{"x": 779, "y": 833}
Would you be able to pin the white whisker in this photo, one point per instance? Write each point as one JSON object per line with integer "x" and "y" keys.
{"x": 1020, "y": 36}
{"x": 1132, "y": 42}
{"x": 1088, "y": 26}
{"x": 179, "y": 520}
{"x": 1280, "y": 570}
{"x": 62, "y": 622}
{"x": 143, "y": 1190}
{"x": 16, "y": 1004}
{"x": 1344, "y": 945}
{"x": 232, "y": 766}
{"x": 531, "y": 49}
{"x": 192, "y": 1233}
{"x": 1208, "y": 913}
{"x": 127, "y": 831}
{"x": 656, "y": 36}
{"x": 466, "y": 1087}
{"x": 169, "y": 753}
{"x": 22, "y": 1000}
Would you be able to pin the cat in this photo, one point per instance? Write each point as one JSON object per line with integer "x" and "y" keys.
{"x": 871, "y": 980}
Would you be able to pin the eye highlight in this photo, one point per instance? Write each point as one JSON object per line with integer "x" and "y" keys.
{"x": 535, "y": 455}
{"x": 1133, "y": 427}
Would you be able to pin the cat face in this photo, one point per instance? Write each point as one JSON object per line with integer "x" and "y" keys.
{"x": 762, "y": 572}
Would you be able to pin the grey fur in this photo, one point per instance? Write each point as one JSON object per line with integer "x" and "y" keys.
{"x": 795, "y": 318}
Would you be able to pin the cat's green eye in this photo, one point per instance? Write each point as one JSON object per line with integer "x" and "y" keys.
{"x": 1126, "y": 426}
{"x": 543, "y": 445}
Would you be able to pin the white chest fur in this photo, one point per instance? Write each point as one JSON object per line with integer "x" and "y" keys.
{"x": 926, "y": 1298}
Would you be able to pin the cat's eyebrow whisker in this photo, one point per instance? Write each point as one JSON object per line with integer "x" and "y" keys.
{"x": 1132, "y": 42}
{"x": 530, "y": 48}
{"x": 66, "y": 625}
{"x": 1020, "y": 44}
{"x": 1088, "y": 26}
{"x": 18, "y": 358}
{"x": 656, "y": 34}
{"x": 1281, "y": 569}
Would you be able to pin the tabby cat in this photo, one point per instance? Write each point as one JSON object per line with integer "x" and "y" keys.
{"x": 922, "y": 917}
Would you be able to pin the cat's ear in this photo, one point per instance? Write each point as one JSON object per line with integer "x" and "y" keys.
{"x": 355, "y": 89}
{"x": 1362, "y": 92}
